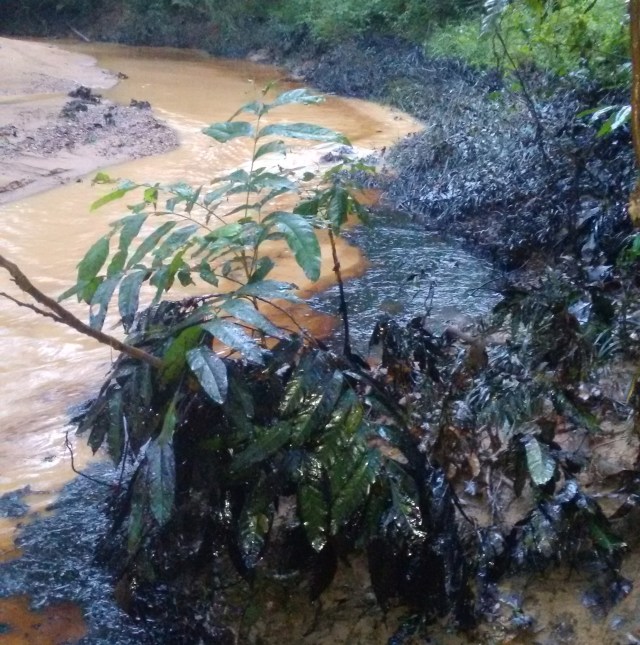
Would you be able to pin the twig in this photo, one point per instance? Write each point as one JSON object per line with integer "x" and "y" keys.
{"x": 79, "y": 34}
{"x": 67, "y": 318}
{"x": 69, "y": 447}
{"x": 42, "y": 312}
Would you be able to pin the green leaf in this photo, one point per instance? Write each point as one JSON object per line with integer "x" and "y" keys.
{"x": 254, "y": 107}
{"x": 312, "y": 503}
{"x": 207, "y": 274}
{"x": 175, "y": 358}
{"x": 235, "y": 337}
{"x": 263, "y": 267}
{"x": 228, "y": 130}
{"x": 160, "y": 471}
{"x": 149, "y": 243}
{"x": 93, "y": 261}
{"x": 210, "y": 371}
{"x": 176, "y": 240}
{"x": 308, "y": 207}
{"x": 262, "y": 180}
{"x": 71, "y": 291}
{"x": 131, "y": 226}
{"x": 305, "y": 131}
{"x": 299, "y": 96}
{"x": 151, "y": 195}
{"x": 244, "y": 311}
{"x": 129, "y": 296}
{"x": 266, "y": 443}
{"x": 118, "y": 193}
{"x": 273, "y": 147}
{"x": 541, "y": 464}
{"x": 100, "y": 301}
{"x": 350, "y": 494}
{"x": 338, "y": 208}
{"x": 102, "y": 178}
{"x": 169, "y": 423}
{"x": 216, "y": 194}
{"x": 301, "y": 238}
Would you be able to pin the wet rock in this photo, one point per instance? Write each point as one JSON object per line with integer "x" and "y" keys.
{"x": 73, "y": 107}
{"x": 85, "y": 94}
{"x": 141, "y": 105}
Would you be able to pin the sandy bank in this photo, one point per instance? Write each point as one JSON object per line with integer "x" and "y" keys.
{"x": 48, "y": 138}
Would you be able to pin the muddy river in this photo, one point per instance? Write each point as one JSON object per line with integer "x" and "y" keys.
{"x": 47, "y": 369}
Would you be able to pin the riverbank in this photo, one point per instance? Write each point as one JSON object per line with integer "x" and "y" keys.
{"x": 511, "y": 369}
{"x": 56, "y": 128}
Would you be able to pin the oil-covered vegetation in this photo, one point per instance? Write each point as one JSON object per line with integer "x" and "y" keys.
{"x": 254, "y": 456}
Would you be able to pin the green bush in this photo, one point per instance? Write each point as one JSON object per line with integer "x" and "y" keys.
{"x": 576, "y": 38}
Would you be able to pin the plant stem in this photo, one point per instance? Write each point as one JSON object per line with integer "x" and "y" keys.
{"x": 343, "y": 301}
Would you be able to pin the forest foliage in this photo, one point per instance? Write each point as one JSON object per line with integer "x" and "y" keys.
{"x": 570, "y": 37}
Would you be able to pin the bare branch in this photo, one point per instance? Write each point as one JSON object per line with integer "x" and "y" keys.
{"x": 39, "y": 311}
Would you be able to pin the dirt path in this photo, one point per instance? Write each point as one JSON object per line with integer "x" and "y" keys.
{"x": 47, "y": 137}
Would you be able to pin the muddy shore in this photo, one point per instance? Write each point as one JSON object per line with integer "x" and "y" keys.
{"x": 52, "y": 132}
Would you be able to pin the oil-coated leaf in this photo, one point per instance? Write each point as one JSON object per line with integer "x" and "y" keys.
{"x": 244, "y": 311}
{"x": 160, "y": 470}
{"x": 304, "y": 131}
{"x": 228, "y": 130}
{"x": 541, "y": 464}
{"x": 270, "y": 290}
{"x": 169, "y": 423}
{"x": 116, "y": 434}
{"x": 235, "y": 337}
{"x": 301, "y": 238}
{"x": 351, "y": 493}
{"x": 266, "y": 443}
{"x": 210, "y": 371}
{"x": 312, "y": 503}
{"x": 254, "y": 523}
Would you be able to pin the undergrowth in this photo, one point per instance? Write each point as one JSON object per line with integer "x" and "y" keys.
{"x": 252, "y": 455}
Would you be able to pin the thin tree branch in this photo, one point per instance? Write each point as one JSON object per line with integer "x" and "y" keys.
{"x": 69, "y": 447}
{"x": 67, "y": 318}
{"x": 39, "y": 311}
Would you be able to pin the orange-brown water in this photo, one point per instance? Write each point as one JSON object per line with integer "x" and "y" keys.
{"x": 46, "y": 368}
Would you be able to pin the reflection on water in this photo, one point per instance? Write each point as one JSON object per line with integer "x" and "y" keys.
{"x": 410, "y": 273}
